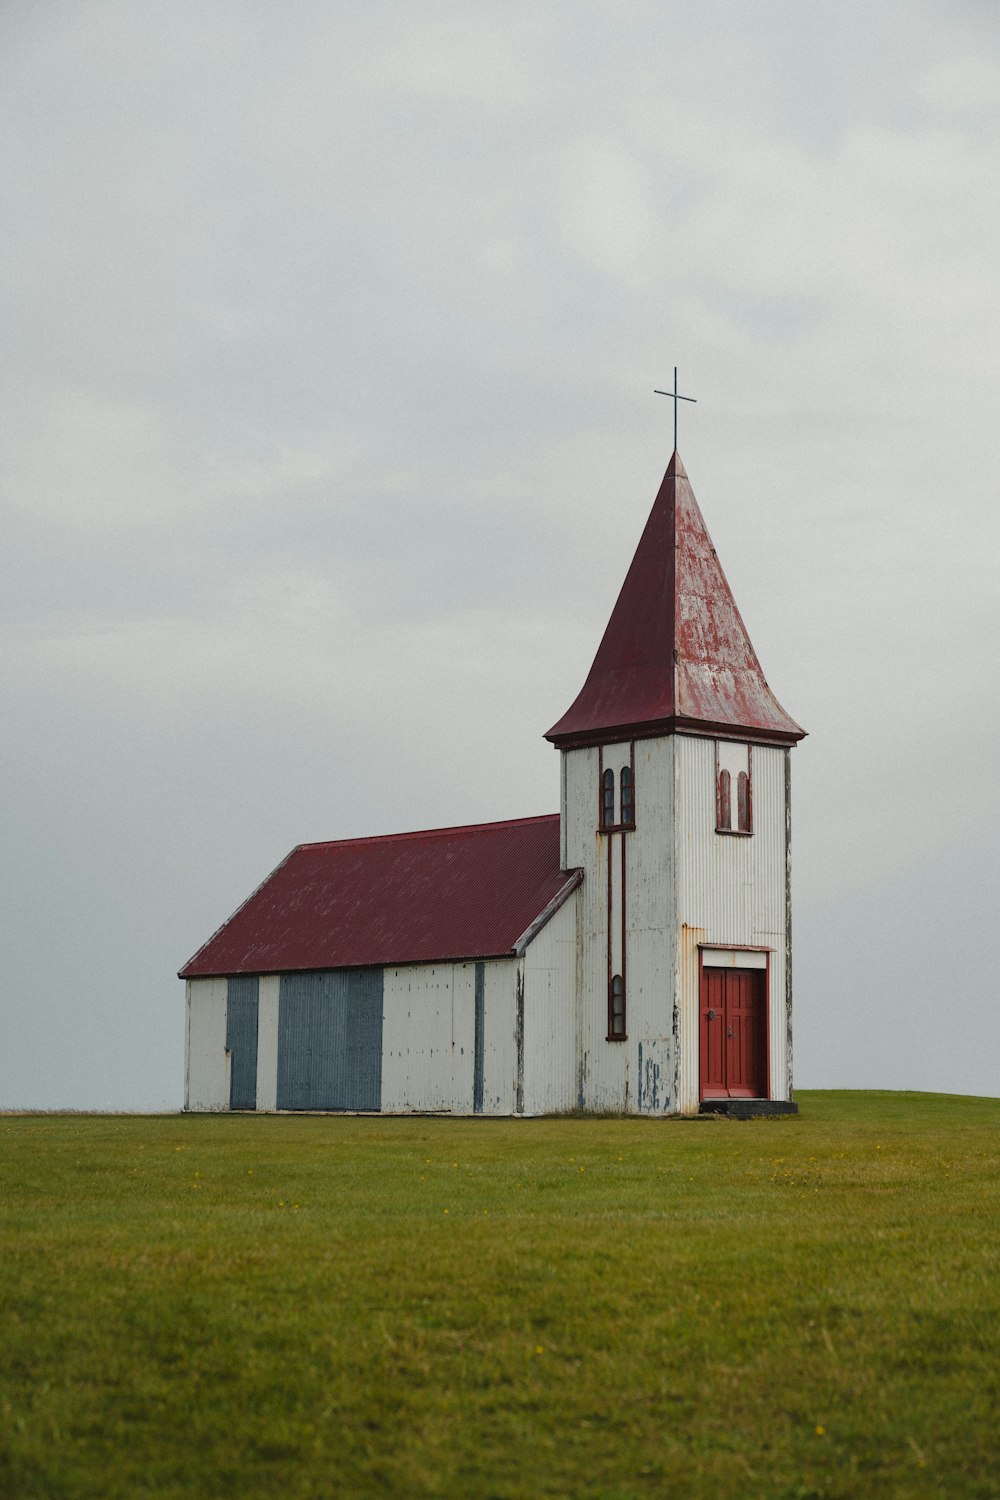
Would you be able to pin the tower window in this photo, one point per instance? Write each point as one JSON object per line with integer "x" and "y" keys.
{"x": 628, "y": 797}
{"x": 733, "y": 787}
{"x": 608, "y": 800}
{"x": 725, "y": 810}
{"x": 616, "y": 1010}
{"x": 743, "y": 802}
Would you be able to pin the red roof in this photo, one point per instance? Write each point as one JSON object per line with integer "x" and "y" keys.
{"x": 445, "y": 894}
{"x": 676, "y": 654}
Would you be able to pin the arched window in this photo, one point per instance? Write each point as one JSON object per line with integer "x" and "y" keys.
{"x": 725, "y": 802}
{"x": 616, "y": 1010}
{"x": 608, "y": 800}
{"x": 733, "y": 785}
{"x": 628, "y": 799}
{"x": 743, "y": 802}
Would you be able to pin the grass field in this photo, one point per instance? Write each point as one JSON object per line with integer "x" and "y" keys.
{"x": 324, "y": 1306}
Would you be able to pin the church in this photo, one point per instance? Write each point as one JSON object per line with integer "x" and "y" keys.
{"x": 632, "y": 953}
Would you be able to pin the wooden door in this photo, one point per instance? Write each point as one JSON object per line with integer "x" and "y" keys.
{"x": 732, "y": 1034}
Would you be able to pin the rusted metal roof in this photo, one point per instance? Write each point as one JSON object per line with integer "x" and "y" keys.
{"x": 676, "y": 655}
{"x": 445, "y": 894}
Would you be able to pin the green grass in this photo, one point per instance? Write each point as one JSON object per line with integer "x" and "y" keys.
{"x": 322, "y": 1306}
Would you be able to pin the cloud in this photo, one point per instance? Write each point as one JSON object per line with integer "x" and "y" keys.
{"x": 96, "y": 462}
{"x": 605, "y": 209}
{"x": 964, "y": 85}
{"x": 465, "y": 61}
{"x": 293, "y": 640}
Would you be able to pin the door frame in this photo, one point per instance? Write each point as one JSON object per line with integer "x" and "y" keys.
{"x": 709, "y": 948}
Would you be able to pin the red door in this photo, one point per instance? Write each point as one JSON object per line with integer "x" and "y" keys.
{"x": 733, "y": 1059}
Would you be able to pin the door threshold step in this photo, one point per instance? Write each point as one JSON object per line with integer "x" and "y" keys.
{"x": 748, "y": 1109}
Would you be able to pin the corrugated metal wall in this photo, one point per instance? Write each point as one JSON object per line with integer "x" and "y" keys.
{"x": 429, "y": 1040}
{"x": 268, "y": 1001}
{"x": 636, "y": 1074}
{"x": 206, "y": 1084}
{"x": 499, "y": 1043}
{"x": 549, "y": 977}
{"x": 730, "y": 890}
{"x": 479, "y": 1040}
{"x": 427, "y": 1037}
{"x": 330, "y": 1040}
{"x": 241, "y": 1040}
{"x": 651, "y": 888}
{"x": 437, "y": 1017}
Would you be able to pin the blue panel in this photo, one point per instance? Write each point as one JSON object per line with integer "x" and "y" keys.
{"x": 242, "y": 993}
{"x": 480, "y": 1039}
{"x": 330, "y": 1040}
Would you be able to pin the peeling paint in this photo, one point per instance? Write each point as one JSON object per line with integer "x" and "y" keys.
{"x": 479, "y": 1039}
{"x": 519, "y": 1040}
{"x": 788, "y": 925}
{"x": 652, "y": 1086}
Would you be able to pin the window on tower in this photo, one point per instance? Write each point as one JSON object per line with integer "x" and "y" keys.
{"x": 616, "y": 1010}
{"x": 616, "y": 792}
{"x": 725, "y": 820}
{"x": 608, "y": 800}
{"x": 628, "y": 797}
{"x": 733, "y": 788}
{"x": 743, "y": 802}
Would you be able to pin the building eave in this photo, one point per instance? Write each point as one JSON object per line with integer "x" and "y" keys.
{"x": 544, "y": 917}
{"x": 616, "y": 734}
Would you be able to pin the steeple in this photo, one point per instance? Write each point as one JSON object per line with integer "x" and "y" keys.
{"x": 676, "y": 656}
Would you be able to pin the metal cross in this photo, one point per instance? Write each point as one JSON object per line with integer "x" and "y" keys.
{"x": 675, "y": 398}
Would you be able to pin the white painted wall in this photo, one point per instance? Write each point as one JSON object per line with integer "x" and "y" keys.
{"x": 636, "y": 1074}
{"x": 428, "y": 1038}
{"x": 429, "y": 1032}
{"x": 730, "y": 890}
{"x": 267, "y": 1042}
{"x": 499, "y": 1049}
{"x": 685, "y": 884}
{"x": 732, "y": 958}
{"x": 549, "y": 974}
{"x": 652, "y": 979}
{"x": 206, "y": 1081}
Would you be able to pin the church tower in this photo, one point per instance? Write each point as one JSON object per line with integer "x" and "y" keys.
{"x": 675, "y": 803}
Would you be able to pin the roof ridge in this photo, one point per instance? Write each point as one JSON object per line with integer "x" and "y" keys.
{"x": 423, "y": 833}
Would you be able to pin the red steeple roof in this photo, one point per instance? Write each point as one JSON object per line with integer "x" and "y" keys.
{"x": 676, "y": 655}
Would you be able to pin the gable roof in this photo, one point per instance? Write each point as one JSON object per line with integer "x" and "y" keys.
{"x": 676, "y": 654}
{"x": 444, "y": 894}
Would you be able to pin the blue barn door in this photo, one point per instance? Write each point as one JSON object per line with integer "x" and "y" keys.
{"x": 242, "y": 992}
{"x": 330, "y": 1040}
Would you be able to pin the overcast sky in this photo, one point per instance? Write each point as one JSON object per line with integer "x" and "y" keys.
{"x": 330, "y": 333}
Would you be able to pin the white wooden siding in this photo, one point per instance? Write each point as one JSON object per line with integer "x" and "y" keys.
{"x": 428, "y": 1037}
{"x": 730, "y": 890}
{"x": 267, "y": 1042}
{"x": 651, "y": 895}
{"x": 732, "y": 958}
{"x": 499, "y": 1043}
{"x": 611, "y": 1076}
{"x": 549, "y": 977}
{"x": 206, "y": 1083}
